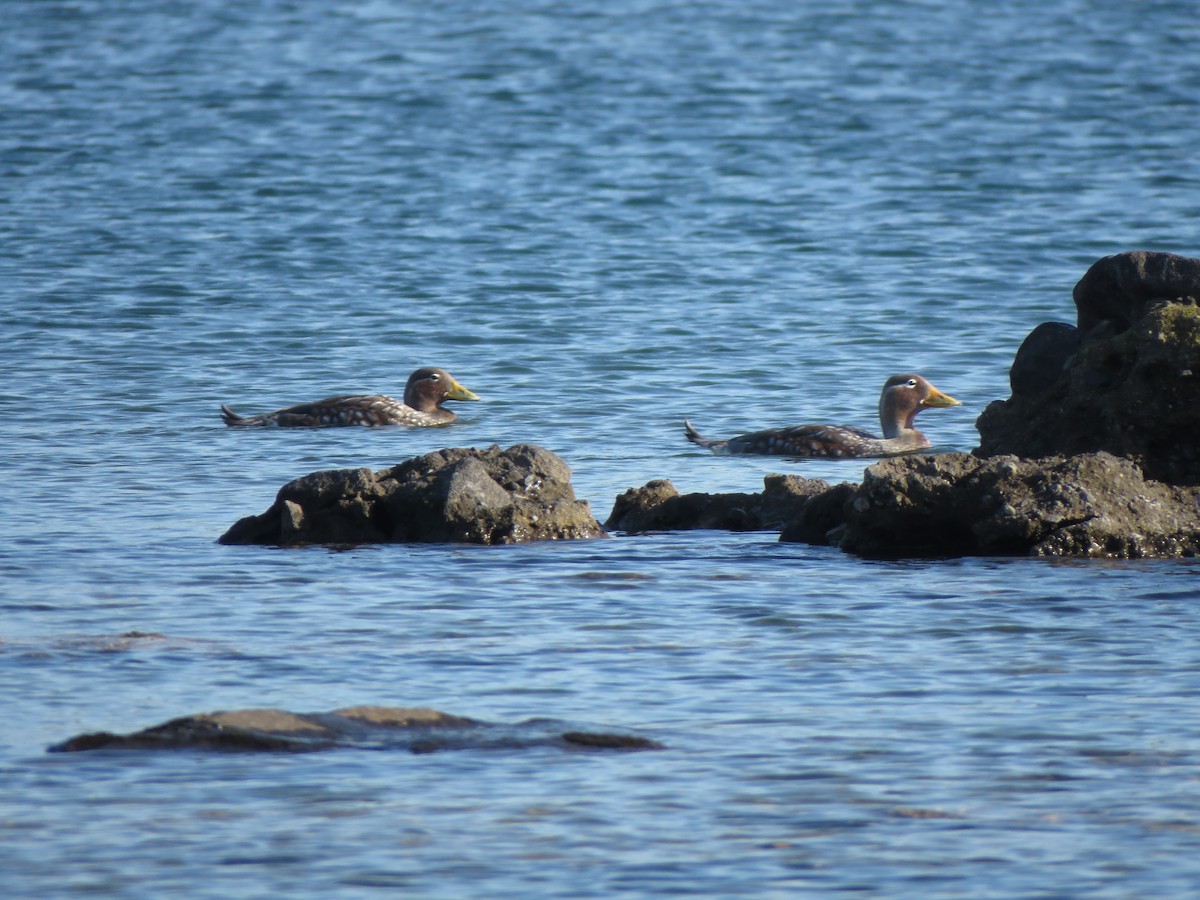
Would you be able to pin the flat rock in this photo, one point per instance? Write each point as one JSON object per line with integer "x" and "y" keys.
{"x": 658, "y": 506}
{"x": 460, "y": 495}
{"x": 415, "y": 729}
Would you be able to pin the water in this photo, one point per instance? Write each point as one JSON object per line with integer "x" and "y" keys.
{"x": 601, "y": 218}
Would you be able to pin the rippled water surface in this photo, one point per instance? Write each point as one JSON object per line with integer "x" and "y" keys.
{"x": 601, "y": 217}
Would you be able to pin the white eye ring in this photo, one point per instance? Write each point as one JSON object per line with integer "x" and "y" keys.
{"x": 436, "y": 377}
{"x": 912, "y": 382}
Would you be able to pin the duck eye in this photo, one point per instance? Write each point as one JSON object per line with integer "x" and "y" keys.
{"x": 435, "y": 377}
{"x": 912, "y": 382}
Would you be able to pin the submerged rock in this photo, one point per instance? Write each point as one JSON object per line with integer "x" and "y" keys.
{"x": 461, "y": 495}
{"x": 658, "y": 506}
{"x": 416, "y": 729}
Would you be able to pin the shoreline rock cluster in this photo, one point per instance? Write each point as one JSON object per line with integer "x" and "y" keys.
{"x": 952, "y": 504}
{"x": 1096, "y": 454}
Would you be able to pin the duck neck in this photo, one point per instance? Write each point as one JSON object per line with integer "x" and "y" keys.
{"x": 894, "y": 421}
{"x": 442, "y": 414}
{"x": 423, "y": 402}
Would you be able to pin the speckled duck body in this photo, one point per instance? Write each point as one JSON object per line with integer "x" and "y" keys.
{"x": 426, "y": 390}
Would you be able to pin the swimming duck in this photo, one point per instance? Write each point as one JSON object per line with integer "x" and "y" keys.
{"x": 423, "y": 397}
{"x": 903, "y": 397}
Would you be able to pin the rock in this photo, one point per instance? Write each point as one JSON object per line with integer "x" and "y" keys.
{"x": 658, "y": 506}
{"x": 955, "y": 504}
{"x": 822, "y": 517}
{"x": 1135, "y": 394}
{"x": 418, "y": 730}
{"x": 1122, "y": 288}
{"x": 1043, "y": 356}
{"x": 460, "y": 495}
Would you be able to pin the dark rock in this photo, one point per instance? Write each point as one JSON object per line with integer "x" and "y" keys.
{"x": 610, "y": 741}
{"x": 460, "y": 495}
{"x": 1121, "y": 289}
{"x": 821, "y": 518}
{"x": 418, "y": 730}
{"x": 1043, "y": 356}
{"x": 1134, "y": 394}
{"x": 955, "y": 504}
{"x": 658, "y": 506}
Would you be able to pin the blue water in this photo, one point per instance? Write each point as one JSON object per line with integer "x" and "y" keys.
{"x": 601, "y": 217}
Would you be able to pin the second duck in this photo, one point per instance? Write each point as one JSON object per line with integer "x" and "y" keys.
{"x": 903, "y": 397}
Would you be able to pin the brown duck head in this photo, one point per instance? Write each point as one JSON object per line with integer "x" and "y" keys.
{"x": 429, "y": 387}
{"x": 903, "y": 397}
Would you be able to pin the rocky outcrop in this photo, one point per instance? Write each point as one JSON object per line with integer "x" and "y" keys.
{"x": 1135, "y": 394}
{"x": 658, "y": 506}
{"x": 1126, "y": 381}
{"x": 462, "y": 495}
{"x": 952, "y": 504}
{"x": 1042, "y": 357}
{"x": 416, "y": 729}
{"x": 1119, "y": 290}
{"x": 955, "y": 504}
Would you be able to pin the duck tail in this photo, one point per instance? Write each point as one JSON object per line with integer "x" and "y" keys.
{"x": 696, "y": 438}
{"x": 229, "y": 417}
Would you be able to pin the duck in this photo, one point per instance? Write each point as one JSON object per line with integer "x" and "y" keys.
{"x": 902, "y": 398}
{"x": 426, "y": 390}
